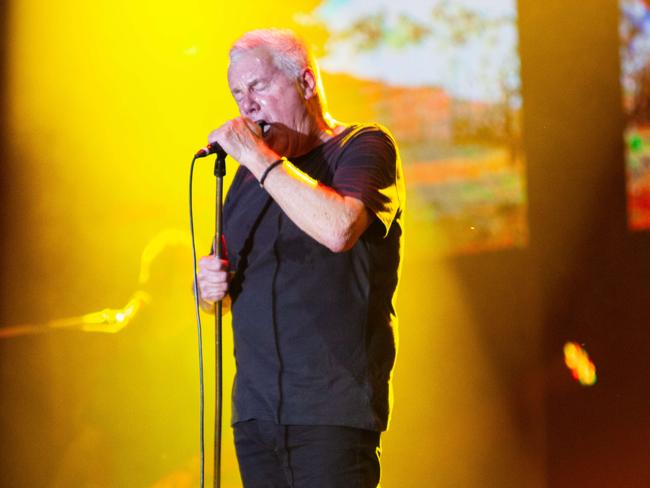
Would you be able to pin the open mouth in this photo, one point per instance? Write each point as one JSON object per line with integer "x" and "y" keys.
{"x": 266, "y": 127}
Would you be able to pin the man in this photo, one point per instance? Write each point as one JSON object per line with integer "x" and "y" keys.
{"x": 312, "y": 227}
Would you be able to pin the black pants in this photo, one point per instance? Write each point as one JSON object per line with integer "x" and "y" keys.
{"x": 297, "y": 456}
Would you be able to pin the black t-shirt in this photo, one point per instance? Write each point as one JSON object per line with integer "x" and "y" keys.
{"x": 315, "y": 331}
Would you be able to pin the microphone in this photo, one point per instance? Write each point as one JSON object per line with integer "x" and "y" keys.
{"x": 213, "y": 148}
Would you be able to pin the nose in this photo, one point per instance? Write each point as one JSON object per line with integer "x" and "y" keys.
{"x": 249, "y": 106}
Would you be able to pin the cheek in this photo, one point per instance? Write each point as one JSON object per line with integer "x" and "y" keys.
{"x": 282, "y": 105}
{"x": 270, "y": 102}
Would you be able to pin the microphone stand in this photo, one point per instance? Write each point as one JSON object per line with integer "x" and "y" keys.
{"x": 219, "y": 173}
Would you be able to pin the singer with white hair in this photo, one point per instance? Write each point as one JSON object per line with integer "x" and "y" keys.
{"x": 313, "y": 236}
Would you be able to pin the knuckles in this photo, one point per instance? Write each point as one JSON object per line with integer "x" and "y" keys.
{"x": 213, "y": 277}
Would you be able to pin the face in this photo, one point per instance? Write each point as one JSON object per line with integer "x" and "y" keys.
{"x": 265, "y": 93}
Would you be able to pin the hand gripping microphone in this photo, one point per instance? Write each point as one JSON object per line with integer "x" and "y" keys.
{"x": 215, "y": 148}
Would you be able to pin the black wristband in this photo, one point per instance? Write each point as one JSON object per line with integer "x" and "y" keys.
{"x": 269, "y": 168}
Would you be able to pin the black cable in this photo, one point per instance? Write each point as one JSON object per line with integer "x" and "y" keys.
{"x": 198, "y": 321}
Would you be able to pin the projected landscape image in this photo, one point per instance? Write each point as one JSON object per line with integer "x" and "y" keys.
{"x": 444, "y": 77}
{"x": 635, "y": 80}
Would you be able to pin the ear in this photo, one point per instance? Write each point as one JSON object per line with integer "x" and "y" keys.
{"x": 307, "y": 83}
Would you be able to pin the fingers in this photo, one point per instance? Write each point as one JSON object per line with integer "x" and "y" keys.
{"x": 253, "y": 126}
{"x": 213, "y": 278}
{"x": 213, "y": 263}
{"x": 241, "y": 138}
{"x": 213, "y": 294}
{"x": 232, "y": 131}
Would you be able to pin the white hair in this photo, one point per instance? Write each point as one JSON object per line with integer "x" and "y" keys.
{"x": 288, "y": 52}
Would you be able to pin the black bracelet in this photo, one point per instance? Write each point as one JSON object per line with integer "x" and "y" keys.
{"x": 268, "y": 170}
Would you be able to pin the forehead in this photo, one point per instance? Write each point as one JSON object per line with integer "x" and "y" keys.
{"x": 251, "y": 65}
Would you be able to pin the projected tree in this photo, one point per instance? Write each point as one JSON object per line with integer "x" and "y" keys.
{"x": 444, "y": 77}
{"x": 635, "y": 79}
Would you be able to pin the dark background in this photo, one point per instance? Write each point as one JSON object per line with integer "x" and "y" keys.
{"x": 594, "y": 273}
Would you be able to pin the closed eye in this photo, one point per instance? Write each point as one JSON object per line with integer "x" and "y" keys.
{"x": 259, "y": 85}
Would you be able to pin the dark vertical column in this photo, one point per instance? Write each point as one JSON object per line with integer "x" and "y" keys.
{"x": 5, "y": 454}
{"x": 4, "y": 171}
{"x": 25, "y": 429}
{"x": 593, "y": 289}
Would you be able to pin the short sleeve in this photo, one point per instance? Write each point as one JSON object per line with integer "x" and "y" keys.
{"x": 370, "y": 170}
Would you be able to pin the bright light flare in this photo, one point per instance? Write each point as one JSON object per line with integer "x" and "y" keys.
{"x": 112, "y": 321}
{"x": 578, "y": 362}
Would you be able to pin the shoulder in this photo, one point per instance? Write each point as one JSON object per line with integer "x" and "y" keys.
{"x": 366, "y": 139}
{"x": 373, "y": 138}
{"x": 370, "y": 131}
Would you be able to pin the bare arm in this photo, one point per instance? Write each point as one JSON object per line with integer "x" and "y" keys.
{"x": 333, "y": 220}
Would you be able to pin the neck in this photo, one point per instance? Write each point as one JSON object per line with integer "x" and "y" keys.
{"x": 321, "y": 130}
{"x": 320, "y": 127}
{"x": 328, "y": 127}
